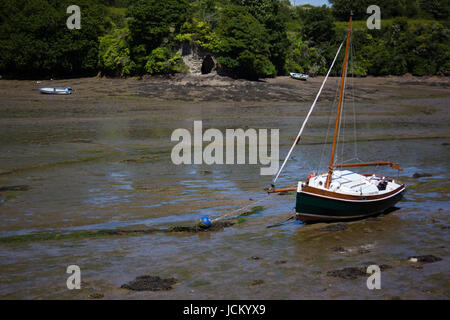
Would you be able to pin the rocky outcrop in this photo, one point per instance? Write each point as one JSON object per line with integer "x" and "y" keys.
{"x": 197, "y": 60}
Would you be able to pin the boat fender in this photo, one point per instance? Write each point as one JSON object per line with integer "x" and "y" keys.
{"x": 311, "y": 175}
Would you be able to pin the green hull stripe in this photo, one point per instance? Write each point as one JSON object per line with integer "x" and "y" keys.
{"x": 306, "y": 203}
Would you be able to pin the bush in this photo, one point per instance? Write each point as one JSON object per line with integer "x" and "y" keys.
{"x": 152, "y": 23}
{"x": 35, "y": 41}
{"x": 163, "y": 61}
{"x": 114, "y": 54}
{"x": 305, "y": 59}
{"x": 244, "y": 50}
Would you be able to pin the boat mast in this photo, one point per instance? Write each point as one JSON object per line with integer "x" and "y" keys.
{"x": 344, "y": 69}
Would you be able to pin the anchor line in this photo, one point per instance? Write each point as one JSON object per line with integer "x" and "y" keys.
{"x": 232, "y": 213}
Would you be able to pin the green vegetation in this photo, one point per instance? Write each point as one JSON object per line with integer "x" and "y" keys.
{"x": 163, "y": 61}
{"x": 34, "y": 39}
{"x": 248, "y": 38}
{"x": 252, "y": 211}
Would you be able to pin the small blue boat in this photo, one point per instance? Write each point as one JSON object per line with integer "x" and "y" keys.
{"x": 56, "y": 90}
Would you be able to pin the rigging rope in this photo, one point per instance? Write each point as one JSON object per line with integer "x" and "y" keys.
{"x": 307, "y": 116}
{"x": 330, "y": 118}
{"x": 353, "y": 103}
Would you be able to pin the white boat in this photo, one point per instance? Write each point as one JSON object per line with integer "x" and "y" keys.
{"x": 299, "y": 76}
{"x": 56, "y": 90}
{"x": 342, "y": 194}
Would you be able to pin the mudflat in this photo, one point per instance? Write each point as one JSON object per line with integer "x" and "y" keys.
{"x": 87, "y": 179}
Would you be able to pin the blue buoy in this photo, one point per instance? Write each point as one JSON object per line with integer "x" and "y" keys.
{"x": 205, "y": 222}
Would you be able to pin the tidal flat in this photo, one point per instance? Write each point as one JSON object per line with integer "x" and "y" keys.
{"x": 87, "y": 180}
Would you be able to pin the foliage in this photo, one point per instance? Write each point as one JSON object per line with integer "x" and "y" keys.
{"x": 305, "y": 59}
{"x": 153, "y": 22}
{"x": 244, "y": 51}
{"x": 34, "y": 38}
{"x": 403, "y": 47}
{"x": 270, "y": 14}
{"x": 248, "y": 38}
{"x": 114, "y": 54}
{"x": 163, "y": 61}
{"x": 318, "y": 25}
{"x": 201, "y": 34}
{"x": 435, "y": 9}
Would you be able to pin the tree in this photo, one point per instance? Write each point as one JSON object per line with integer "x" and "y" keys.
{"x": 244, "y": 50}
{"x": 114, "y": 54}
{"x": 163, "y": 61}
{"x": 151, "y": 23}
{"x": 35, "y": 41}
{"x": 305, "y": 59}
{"x": 270, "y": 14}
{"x": 342, "y": 8}
{"x": 318, "y": 25}
{"x": 437, "y": 9}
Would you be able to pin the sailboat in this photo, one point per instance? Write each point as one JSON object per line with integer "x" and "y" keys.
{"x": 339, "y": 193}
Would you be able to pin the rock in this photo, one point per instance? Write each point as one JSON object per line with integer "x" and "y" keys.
{"x": 255, "y": 258}
{"x": 129, "y": 161}
{"x": 256, "y": 282}
{"x": 280, "y": 261}
{"x": 420, "y": 175}
{"x": 197, "y": 60}
{"x": 216, "y": 226}
{"x": 339, "y": 249}
{"x": 81, "y": 141}
{"x": 335, "y": 227}
{"x": 425, "y": 259}
{"x": 96, "y": 295}
{"x": 385, "y": 267}
{"x": 347, "y": 273}
{"x": 150, "y": 283}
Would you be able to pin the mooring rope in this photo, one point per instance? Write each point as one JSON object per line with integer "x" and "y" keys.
{"x": 232, "y": 213}
{"x": 282, "y": 222}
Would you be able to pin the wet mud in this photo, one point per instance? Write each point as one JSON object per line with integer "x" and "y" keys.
{"x": 87, "y": 179}
{"x": 150, "y": 283}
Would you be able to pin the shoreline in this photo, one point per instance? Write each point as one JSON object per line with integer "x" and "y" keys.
{"x": 211, "y": 88}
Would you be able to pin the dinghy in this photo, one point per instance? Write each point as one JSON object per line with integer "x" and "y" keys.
{"x": 56, "y": 90}
{"x": 299, "y": 76}
{"x": 341, "y": 194}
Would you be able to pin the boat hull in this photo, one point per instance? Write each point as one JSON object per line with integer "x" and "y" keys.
{"x": 314, "y": 205}
{"x": 299, "y": 76}
{"x": 55, "y": 90}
